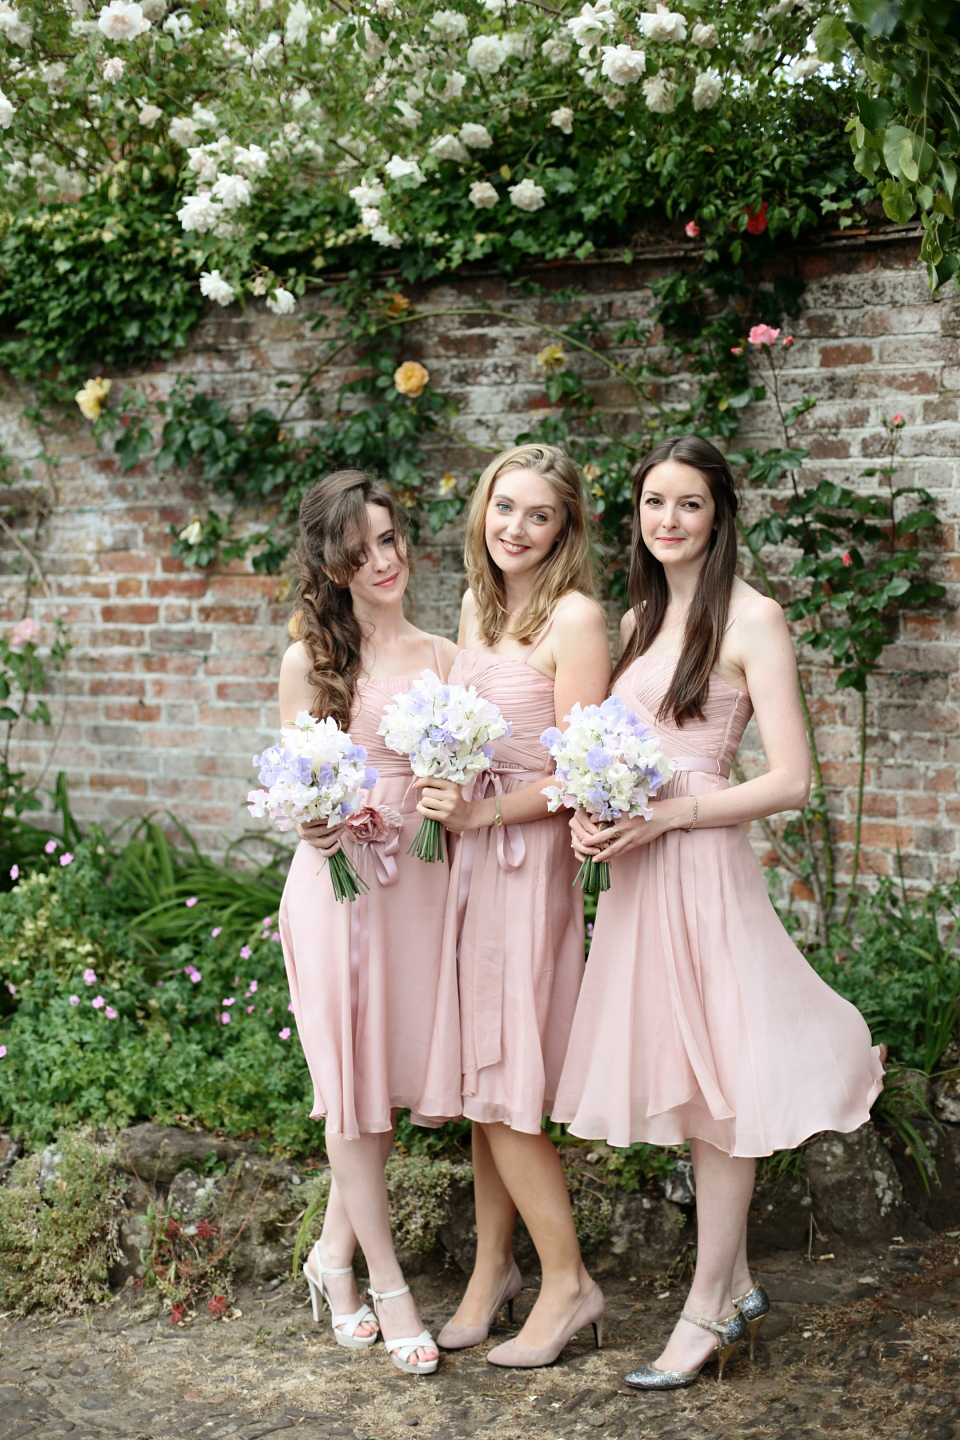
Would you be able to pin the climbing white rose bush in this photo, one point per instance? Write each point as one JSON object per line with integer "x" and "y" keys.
{"x": 278, "y": 138}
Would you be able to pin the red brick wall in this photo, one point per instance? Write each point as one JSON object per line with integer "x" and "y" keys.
{"x": 170, "y": 687}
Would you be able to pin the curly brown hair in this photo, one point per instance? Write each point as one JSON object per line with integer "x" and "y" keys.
{"x": 333, "y": 529}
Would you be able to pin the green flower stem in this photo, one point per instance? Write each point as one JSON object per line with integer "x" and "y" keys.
{"x": 347, "y": 884}
{"x": 593, "y": 876}
{"x": 428, "y": 844}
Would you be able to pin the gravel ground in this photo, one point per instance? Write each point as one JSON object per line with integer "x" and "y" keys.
{"x": 866, "y": 1342}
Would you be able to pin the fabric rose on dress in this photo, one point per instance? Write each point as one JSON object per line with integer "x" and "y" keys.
{"x": 373, "y": 823}
{"x": 411, "y": 378}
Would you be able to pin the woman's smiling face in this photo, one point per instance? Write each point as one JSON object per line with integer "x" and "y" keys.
{"x": 523, "y": 522}
{"x": 381, "y": 578}
{"x": 677, "y": 514}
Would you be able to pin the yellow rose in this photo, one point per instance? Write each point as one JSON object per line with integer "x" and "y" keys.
{"x": 591, "y": 472}
{"x": 410, "y": 378}
{"x": 448, "y": 483}
{"x": 551, "y": 357}
{"x": 192, "y": 534}
{"x": 91, "y": 397}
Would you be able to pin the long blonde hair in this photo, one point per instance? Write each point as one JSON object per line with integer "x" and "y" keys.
{"x": 568, "y": 566}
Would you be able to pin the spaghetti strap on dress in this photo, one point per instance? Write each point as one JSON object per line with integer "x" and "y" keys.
{"x": 698, "y": 1016}
{"x": 373, "y": 986}
{"x": 521, "y": 918}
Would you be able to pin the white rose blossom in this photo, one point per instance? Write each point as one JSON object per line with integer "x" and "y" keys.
{"x": 705, "y": 36}
{"x": 383, "y": 235}
{"x": 120, "y": 21}
{"x": 373, "y": 47}
{"x": 298, "y": 24}
{"x": 623, "y": 65}
{"x": 483, "y": 195}
{"x": 664, "y": 24}
{"x": 478, "y": 137}
{"x": 495, "y": 7}
{"x": 13, "y": 26}
{"x": 113, "y": 69}
{"x": 707, "y": 89}
{"x": 592, "y": 23}
{"x": 371, "y": 218}
{"x": 369, "y": 194}
{"x": 214, "y": 287}
{"x": 485, "y": 54}
{"x": 807, "y": 65}
{"x": 153, "y": 10}
{"x": 203, "y": 163}
{"x": 556, "y": 50}
{"x": 452, "y": 87}
{"x": 6, "y": 114}
{"x": 204, "y": 119}
{"x": 251, "y": 159}
{"x": 183, "y": 131}
{"x": 757, "y": 40}
{"x": 399, "y": 169}
{"x": 328, "y": 35}
{"x": 266, "y": 53}
{"x": 448, "y": 147}
{"x": 409, "y": 116}
{"x": 200, "y": 213}
{"x": 527, "y": 195}
{"x": 177, "y": 26}
{"x": 448, "y": 25}
{"x": 232, "y": 191}
{"x": 615, "y": 99}
{"x": 281, "y": 302}
{"x": 517, "y": 44}
{"x": 53, "y": 76}
{"x": 149, "y": 115}
{"x": 660, "y": 94}
{"x": 563, "y": 119}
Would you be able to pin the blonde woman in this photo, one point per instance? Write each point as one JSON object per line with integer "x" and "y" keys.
{"x": 533, "y": 640}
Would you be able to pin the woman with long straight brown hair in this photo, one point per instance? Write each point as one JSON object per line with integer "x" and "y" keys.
{"x": 699, "y": 1019}
{"x": 534, "y": 642}
{"x": 374, "y": 998}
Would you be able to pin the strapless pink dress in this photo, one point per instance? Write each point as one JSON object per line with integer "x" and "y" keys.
{"x": 521, "y": 933}
{"x": 373, "y": 986}
{"x": 698, "y": 1015}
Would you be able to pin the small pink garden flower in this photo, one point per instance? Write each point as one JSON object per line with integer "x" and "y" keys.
{"x": 267, "y": 921}
{"x": 897, "y": 421}
{"x": 98, "y": 1002}
{"x": 50, "y": 846}
{"x": 89, "y": 977}
{"x": 192, "y": 901}
{"x": 25, "y": 632}
{"x": 275, "y": 937}
{"x": 270, "y": 1010}
{"x": 847, "y": 559}
{"x": 787, "y": 341}
{"x": 285, "y": 1033}
{"x": 225, "y": 1017}
{"x": 763, "y": 335}
{"x": 11, "y": 987}
{"x": 736, "y": 349}
{"x": 14, "y": 872}
{"x": 3, "y": 1052}
{"x": 250, "y": 1009}
{"x": 290, "y": 1007}
{"x": 245, "y": 952}
{"x": 215, "y": 931}
{"x": 230, "y": 1001}
{"x": 253, "y": 987}
{"x": 74, "y": 999}
{"x": 110, "y": 1013}
{"x": 691, "y": 229}
{"x": 66, "y": 858}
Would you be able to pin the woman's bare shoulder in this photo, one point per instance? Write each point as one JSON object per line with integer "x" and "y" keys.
{"x": 296, "y": 661}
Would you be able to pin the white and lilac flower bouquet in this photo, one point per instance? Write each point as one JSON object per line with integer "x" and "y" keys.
{"x": 608, "y": 763}
{"x": 447, "y": 731}
{"x": 315, "y": 773}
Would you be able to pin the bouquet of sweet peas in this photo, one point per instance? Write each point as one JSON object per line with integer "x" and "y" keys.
{"x": 447, "y": 732}
{"x": 608, "y": 763}
{"x": 315, "y": 772}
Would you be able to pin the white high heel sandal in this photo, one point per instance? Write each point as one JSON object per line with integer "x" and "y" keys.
{"x": 344, "y": 1326}
{"x": 401, "y": 1350}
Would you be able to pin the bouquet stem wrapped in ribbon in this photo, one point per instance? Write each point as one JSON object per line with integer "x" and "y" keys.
{"x": 315, "y": 772}
{"x": 609, "y": 764}
{"x": 447, "y": 732}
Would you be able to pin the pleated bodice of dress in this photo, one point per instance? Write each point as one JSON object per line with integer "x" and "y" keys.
{"x": 523, "y": 696}
{"x": 715, "y": 738}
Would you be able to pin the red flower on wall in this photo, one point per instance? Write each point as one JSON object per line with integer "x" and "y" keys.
{"x": 757, "y": 219}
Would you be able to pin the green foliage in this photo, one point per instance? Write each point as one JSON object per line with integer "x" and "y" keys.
{"x": 58, "y": 1231}
{"x": 183, "y": 1261}
{"x": 24, "y": 672}
{"x": 898, "y": 963}
{"x": 906, "y": 131}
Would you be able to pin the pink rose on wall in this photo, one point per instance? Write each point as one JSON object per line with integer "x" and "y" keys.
{"x": 763, "y": 335}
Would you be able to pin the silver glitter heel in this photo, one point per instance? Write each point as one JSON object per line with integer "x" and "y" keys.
{"x": 754, "y": 1306}
{"x": 729, "y": 1333}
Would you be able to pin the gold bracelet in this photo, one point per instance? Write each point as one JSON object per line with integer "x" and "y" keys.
{"x": 497, "y": 813}
{"x": 694, "y": 820}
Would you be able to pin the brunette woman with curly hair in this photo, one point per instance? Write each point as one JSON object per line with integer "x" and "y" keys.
{"x": 375, "y": 1002}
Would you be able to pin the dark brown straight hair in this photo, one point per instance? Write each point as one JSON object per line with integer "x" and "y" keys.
{"x": 707, "y": 616}
{"x": 333, "y": 532}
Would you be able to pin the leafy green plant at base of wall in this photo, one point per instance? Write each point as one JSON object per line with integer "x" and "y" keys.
{"x": 59, "y": 1231}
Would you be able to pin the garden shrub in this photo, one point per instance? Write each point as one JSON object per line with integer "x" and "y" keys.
{"x": 59, "y": 1224}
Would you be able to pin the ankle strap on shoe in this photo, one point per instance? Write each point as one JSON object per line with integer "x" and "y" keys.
{"x": 718, "y": 1327}
{"x": 388, "y": 1294}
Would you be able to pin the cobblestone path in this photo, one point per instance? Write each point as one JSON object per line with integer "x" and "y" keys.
{"x": 866, "y": 1344}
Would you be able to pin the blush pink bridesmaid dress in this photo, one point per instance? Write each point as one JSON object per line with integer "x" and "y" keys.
{"x": 372, "y": 983}
{"x": 521, "y": 931}
{"x": 698, "y": 1016}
